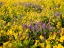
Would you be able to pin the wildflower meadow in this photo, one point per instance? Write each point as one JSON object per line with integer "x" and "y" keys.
{"x": 31, "y": 23}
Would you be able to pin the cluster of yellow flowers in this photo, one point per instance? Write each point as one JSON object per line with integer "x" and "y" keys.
{"x": 31, "y": 23}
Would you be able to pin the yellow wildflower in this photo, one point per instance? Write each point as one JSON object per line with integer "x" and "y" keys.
{"x": 55, "y": 46}
{"x": 36, "y": 42}
{"x": 27, "y": 30}
{"x": 48, "y": 46}
{"x": 27, "y": 37}
{"x": 41, "y": 37}
{"x": 53, "y": 20}
{"x": 42, "y": 45}
{"x": 9, "y": 23}
{"x": 10, "y": 45}
{"x": 10, "y": 32}
{"x": 63, "y": 30}
{"x": 54, "y": 36}
{"x": 57, "y": 26}
{"x": 59, "y": 23}
{"x": 60, "y": 46}
{"x": 62, "y": 15}
{"x": 21, "y": 38}
{"x": 4, "y": 44}
{"x": 20, "y": 27}
{"x": 61, "y": 38}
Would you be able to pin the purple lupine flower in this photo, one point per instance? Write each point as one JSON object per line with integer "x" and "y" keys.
{"x": 39, "y": 23}
{"x": 36, "y": 27}
{"x": 41, "y": 30}
{"x": 44, "y": 26}
{"x": 24, "y": 26}
{"x": 57, "y": 14}
{"x": 33, "y": 29}
{"x": 30, "y": 27}
{"x": 48, "y": 25}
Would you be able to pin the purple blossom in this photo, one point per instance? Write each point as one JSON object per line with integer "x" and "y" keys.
{"x": 41, "y": 30}
{"x": 25, "y": 26}
{"x": 57, "y": 14}
{"x": 39, "y": 23}
{"x": 36, "y": 27}
{"x": 48, "y": 25}
{"x": 33, "y": 29}
{"x": 44, "y": 26}
{"x": 30, "y": 27}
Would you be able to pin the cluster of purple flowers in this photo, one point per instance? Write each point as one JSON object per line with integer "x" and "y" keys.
{"x": 35, "y": 7}
{"x": 57, "y": 14}
{"x": 38, "y": 26}
{"x": 31, "y": 5}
